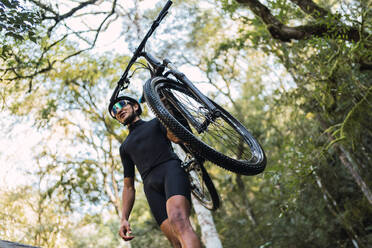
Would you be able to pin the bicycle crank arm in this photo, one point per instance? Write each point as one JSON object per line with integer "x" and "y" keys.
{"x": 186, "y": 164}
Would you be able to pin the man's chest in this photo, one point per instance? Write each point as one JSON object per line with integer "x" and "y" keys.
{"x": 143, "y": 139}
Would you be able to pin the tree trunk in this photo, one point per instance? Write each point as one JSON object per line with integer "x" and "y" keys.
{"x": 114, "y": 201}
{"x": 350, "y": 165}
{"x": 247, "y": 205}
{"x": 335, "y": 210}
{"x": 209, "y": 233}
{"x": 355, "y": 174}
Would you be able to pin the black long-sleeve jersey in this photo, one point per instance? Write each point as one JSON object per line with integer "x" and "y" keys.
{"x": 146, "y": 146}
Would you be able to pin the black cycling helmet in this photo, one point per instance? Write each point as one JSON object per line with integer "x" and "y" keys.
{"x": 128, "y": 98}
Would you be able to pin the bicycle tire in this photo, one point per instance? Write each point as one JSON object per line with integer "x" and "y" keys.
{"x": 253, "y": 165}
{"x": 202, "y": 187}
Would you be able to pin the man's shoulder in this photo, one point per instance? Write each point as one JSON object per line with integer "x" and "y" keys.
{"x": 154, "y": 121}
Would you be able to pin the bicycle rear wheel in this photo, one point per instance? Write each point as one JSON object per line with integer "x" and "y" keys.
{"x": 202, "y": 186}
{"x": 225, "y": 142}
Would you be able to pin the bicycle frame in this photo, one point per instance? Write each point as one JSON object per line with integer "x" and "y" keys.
{"x": 159, "y": 68}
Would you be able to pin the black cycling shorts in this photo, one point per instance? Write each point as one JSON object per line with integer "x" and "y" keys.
{"x": 165, "y": 180}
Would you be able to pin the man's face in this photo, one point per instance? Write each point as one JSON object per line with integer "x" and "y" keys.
{"x": 125, "y": 112}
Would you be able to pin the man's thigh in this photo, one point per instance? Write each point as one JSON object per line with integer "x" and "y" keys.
{"x": 176, "y": 181}
{"x": 157, "y": 203}
{"x": 178, "y": 206}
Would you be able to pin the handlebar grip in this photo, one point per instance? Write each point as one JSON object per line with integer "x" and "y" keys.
{"x": 163, "y": 12}
{"x": 167, "y": 5}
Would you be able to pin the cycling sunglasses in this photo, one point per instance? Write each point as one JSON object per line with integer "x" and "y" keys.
{"x": 119, "y": 105}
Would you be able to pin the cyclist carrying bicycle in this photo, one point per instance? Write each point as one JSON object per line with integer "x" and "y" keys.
{"x": 166, "y": 184}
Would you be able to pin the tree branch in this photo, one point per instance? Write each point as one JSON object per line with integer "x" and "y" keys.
{"x": 285, "y": 33}
{"x": 56, "y": 16}
{"x": 311, "y": 8}
{"x": 72, "y": 11}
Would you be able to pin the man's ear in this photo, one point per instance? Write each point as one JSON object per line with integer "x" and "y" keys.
{"x": 135, "y": 107}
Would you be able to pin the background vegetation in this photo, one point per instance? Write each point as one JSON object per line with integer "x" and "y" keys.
{"x": 297, "y": 73}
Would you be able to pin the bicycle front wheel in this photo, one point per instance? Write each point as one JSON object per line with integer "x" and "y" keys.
{"x": 225, "y": 141}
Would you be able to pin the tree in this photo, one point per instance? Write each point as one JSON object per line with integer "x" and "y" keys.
{"x": 323, "y": 24}
{"x": 17, "y": 21}
{"x": 331, "y": 74}
{"x": 293, "y": 130}
{"x": 48, "y": 37}
{"x": 30, "y": 218}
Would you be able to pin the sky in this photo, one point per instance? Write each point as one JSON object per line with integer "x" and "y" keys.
{"x": 16, "y": 150}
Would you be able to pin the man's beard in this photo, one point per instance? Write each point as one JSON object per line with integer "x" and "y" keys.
{"x": 130, "y": 119}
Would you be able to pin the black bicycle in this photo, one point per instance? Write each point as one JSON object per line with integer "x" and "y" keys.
{"x": 207, "y": 130}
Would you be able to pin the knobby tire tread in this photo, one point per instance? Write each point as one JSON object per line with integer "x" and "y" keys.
{"x": 211, "y": 188}
{"x": 157, "y": 107}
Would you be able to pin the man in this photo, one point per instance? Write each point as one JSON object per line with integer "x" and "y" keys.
{"x": 166, "y": 184}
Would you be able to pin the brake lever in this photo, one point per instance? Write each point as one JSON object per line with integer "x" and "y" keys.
{"x": 126, "y": 84}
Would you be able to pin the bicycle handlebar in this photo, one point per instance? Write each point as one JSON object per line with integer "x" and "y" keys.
{"x": 139, "y": 49}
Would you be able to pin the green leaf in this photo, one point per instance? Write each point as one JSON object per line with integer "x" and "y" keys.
{"x": 14, "y": 35}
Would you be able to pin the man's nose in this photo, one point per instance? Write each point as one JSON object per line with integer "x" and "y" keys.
{"x": 120, "y": 110}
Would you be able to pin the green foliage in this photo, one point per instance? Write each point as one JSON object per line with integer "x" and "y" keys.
{"x": 298, "y": 121}
{"x": 32, "y": 219}
{"x": 356, "y": 123}
{"x": 329, "y": 103}
{"x": 95, "y": 231}
{"x": 17, "y": 21}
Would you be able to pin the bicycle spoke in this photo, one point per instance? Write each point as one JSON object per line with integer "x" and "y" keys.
{"x": 200, "y": 187}
{"x": 219, "y": 132}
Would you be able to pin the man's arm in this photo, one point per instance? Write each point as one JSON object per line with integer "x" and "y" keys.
{"x": 128, "y": 197}
{"x": 170, "y": 135}
{"x": 173, "y": 137}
